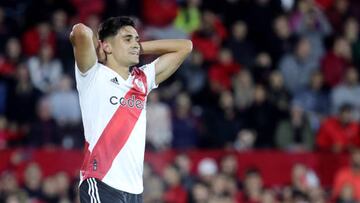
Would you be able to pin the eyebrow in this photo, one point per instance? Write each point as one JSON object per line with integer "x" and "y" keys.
{"x": 130, "y": 36}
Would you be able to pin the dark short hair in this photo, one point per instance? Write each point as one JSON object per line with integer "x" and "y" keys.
{"x": 252, "y": 171}
{"x": 111, "y": 26}
{"x": 346, "y": 107}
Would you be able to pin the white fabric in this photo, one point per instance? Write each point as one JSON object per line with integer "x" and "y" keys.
{"x": 97, "y": 92}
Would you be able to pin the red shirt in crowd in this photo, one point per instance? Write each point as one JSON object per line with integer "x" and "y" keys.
{"x": 7, "y": 68}
{"x": 222, "y": 74}
{"x": 159, "y": 12}
{"x": 176, "y": 194}
{"x": 333, "y": 68}
{"x": 32, "y": 41}
{"x": 208, "y": 43}
{"x": 86, "y": 8}
{"x": 333, "y": 133}
{"x": 347, "y": 176}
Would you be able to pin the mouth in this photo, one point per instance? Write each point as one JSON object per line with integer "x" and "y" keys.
{"x": 135, "y": 53}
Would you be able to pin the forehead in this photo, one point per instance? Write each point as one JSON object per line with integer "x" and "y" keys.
{"x": 128, "y": 30}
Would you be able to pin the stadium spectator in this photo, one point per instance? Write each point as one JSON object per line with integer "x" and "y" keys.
{"x": 11, "y": 58}
{"x": 4, "y": 133}
{"x": 315, "y": 100}
{"x": 184, "y": 124}
{"x": 200, "y": 193}
{"x": 281, "y": 40}
{"x": 10, "y": 185}
{"x": 221, "y": 73}
{"x": 207, "y": 169}
{"x": 184, "y": 164}
{"x": 242, "y": 48}
{"x": 294, "y": 133}
{"x": 347, "y": 181}
{"x": 153, "y": 189}
{"x": 303, "y": 179}
{"x": 44, "y": 131}
{"x": 279, "y": 97}
{"x": 261, "y": 116}
{"x": 253, "y": 186}
{"x": 49, "y": 187}
{"x": 208, "y": 38}
{"x": 245, "y": 140}
{"x": 63, "y": 189}
{"x": 338, "y": 133}
{"x": 193, "y": 77}
{"x": 222, "y": 123}
{"x": 346, "y": 194}
{"x": 86, "y": 8}
{"x": 347, "y": 93}
{"x": 65, "y": 103}
{"x": 259, "y": 15}
{"x": 337, "y": 13}
{"x": 229, "y": 166}
{"x": 22, "y": 98}
{"x": 34, "y": 38}
{"x": 125, "y": 7}
{"x": 174, "y": 192}
{"x": 313, "y": 25}
{"x": 188, "y": 18}
{"x": 335, "y": 62}
{"x": 262, "y": 68}
{"x": 243, "y": 90}
{"x": 297, "y": 66}
{"x": 61, "y": 27}
{"x": 159, "y": 13}
{"x": 45, "y": 70}
{"x": 158, "y": 129}
{"x": 8, "y": 27}
{"x": 33, "y": 178}
{"x": 351, "y": 34}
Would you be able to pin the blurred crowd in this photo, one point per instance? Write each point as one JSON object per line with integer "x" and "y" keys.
{"x": 274, "y": 74}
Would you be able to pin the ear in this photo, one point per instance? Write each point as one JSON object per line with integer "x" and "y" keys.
{"x": 107, "y": 47}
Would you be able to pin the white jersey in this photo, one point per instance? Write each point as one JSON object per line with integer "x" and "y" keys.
{"x": 114, "y": 118}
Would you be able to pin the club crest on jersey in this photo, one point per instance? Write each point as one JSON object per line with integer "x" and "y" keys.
{"x": 140, "y": 85}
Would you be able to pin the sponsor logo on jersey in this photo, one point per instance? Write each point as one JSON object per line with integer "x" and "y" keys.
{"x": 131, "y": 102}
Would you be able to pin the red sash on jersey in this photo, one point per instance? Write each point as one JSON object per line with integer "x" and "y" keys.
{"x": 98, "y": 162}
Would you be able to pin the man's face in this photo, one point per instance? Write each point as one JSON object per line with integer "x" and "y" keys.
{"x": 125, "y": 46}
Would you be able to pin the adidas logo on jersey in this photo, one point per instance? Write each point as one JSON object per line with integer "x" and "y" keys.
{"x": 115, "y": 80}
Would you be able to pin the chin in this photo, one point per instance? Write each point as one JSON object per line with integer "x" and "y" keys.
{"x": 134, "y": 62}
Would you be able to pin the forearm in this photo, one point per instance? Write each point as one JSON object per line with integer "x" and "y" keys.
{"x": 165, "y": 46}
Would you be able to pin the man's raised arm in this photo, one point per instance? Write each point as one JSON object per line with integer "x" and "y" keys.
{"x": 173, "y": 53}
{"x": 84, "y": 43}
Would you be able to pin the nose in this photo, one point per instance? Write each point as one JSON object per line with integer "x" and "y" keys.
{"x": 136, "y": 45}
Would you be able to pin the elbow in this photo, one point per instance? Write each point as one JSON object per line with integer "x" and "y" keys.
{"x": 80, "y": 31}
{"x": 188, "y": 46}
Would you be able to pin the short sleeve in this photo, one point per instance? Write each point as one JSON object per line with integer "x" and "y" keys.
{"x": 85, "y": 80}
{"x": 149, "y": 70}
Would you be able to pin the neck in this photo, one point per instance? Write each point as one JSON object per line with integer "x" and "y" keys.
{"x": 122, "y": 70}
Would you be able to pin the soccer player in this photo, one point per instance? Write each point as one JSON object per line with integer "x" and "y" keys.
{"x": 113, "y": 104}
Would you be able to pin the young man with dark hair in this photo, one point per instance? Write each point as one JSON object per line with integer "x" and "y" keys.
{"x": 113, "y": 104}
